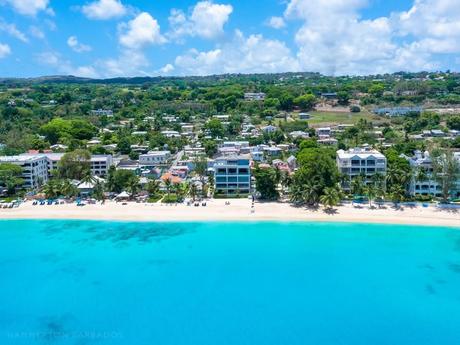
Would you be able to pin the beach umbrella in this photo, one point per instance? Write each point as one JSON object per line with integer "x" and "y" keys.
{"x": 123, "y": 195}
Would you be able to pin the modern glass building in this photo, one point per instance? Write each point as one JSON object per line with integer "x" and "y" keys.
{"x": 232, "y": 176}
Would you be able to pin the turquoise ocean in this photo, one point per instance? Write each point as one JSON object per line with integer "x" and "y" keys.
{"x": 123, "y": 283}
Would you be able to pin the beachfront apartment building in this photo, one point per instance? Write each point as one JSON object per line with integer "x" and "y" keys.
{"x": 34, "y": 169}
{"x": 153, "y": 158}
{"x": 364, "y": 162}
{"x": 100, "y": 164}
{"x": 422, "y": 161}
{"x": 232, "y": 175}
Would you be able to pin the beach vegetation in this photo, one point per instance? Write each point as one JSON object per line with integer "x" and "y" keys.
{"x": 10, "y": 177}
{"x": 267, "y": 181}
{"x": 75, "y": 165}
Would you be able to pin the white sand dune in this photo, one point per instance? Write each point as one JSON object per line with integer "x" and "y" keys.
{"x": 238, "y": 210}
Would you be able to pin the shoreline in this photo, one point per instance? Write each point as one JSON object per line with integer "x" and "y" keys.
{"x": 239, "y": 210}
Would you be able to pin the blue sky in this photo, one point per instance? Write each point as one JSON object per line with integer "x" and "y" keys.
{"x": 108, "y": 38}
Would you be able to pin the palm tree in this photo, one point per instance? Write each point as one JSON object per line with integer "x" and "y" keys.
{"x": 370, "y": 192}
{"x": 98, "y": 191}
{"x": 52, "y": 189}
{"x": 153, "y": 188}
{"x": 330, "y": 197}
{"x": 193, "y": 191}
{"x": 296, "y": 194}
{"x": 397, "y": 194}
{"x": 168, "y": 186}
{"x": 132, "y": 186}
{"x": 68, "y": 189}
{"x": 211, "y": 184}
{"x": 311, "y": 192}
{"x": 357, "y": 185}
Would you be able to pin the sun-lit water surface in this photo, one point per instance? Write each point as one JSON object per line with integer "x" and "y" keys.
{"x": 80, "y": 282}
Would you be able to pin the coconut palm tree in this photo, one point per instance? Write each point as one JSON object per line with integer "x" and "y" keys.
{"x": 211, "y": 184}
{"x": 370, "y": 191}
{"x": 52, "y": 189}
{"x": 98, "y": 191}
{"x": 132, "y": 186}
{"x": 168, "y": 186}
{"x": 153, "y": 188}
{"x": 330, "y": 197}
{"x": 296, "y": 194}
{"x": 397, "y": 194}
{"x": 357, "y": 185}
{"x": 193, "y": 191}
{"x": 311, "y": 192}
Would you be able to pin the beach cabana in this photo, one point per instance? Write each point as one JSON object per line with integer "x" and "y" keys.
{"x": 122, "y": 196}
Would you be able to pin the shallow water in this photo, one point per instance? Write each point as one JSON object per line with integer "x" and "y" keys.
{"x": 81, "y": 282}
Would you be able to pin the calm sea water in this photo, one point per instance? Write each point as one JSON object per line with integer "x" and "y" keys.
{"x": 76, "y": 282}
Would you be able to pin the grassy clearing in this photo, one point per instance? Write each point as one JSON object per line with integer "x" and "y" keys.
{"x": 332, "y": 118}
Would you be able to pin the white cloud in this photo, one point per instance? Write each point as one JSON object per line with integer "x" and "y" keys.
{"x": 4, "y": 50}
{"x": 64, "y": 66}
{"x": 434, "y": 23}
{"x": 142, "y": 30}
{"x": 36, "y": 32}
{"x": 276, "y": 22}
{"x": 104, "y": 9}
{"x": 167, "y": 69}
{"x": 206, "y": 20}
{"x": 253, "y": 54}
{"x": 12, "y": 30}
{"x": 76, "y": 46}
{"x": 335, "y": 40}
{"x": 129, "y": 63}
{"x": 30, "y": 7}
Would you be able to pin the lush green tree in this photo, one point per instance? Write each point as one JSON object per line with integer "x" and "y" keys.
{"x": 56, "y": 129}
{"x": 98, "y": 191}
{"x": 56, "y": 188}
{"x": 318, "y": 165}
{"x": 201, "y": 170}
{"x": 454, "y": 122}
{"x": 446, "y": 171}
{"x": 119, "y": 180}
{"x": 132, "y": 185}
{"x": 266, "y": 183}
{"x": 330, "y": 197}
{"x": 305, "y": 102}
{"x": 124, "y": 145}
{"x": 75, "y": 165}
{"x": 153, "y": 188}
{"x": 10, "y": 177}
{"x": 215, "y": 128}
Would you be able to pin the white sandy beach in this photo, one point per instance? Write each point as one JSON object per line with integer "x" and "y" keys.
{"x": 238, "y": 210}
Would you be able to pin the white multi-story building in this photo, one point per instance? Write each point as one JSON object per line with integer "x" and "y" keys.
{"x": 232, "y": 175}
{"x": 100, "y": 164}
{"x": 34, "y": 168}
{"x": 324, "y": 132}
{"x": 254, "y": 96}
{"x": 102, "y": 112}
{"x": 171, "y": 134}
{"x": 361, "y": 162}
{"x": 429, "y": 186}
{"x": 153, "y": 158}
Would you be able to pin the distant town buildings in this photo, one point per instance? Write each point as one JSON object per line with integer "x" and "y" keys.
{"x": 102, "y": 112}
{"x": 153, "y": 158}
{"x": 254, "y": 96}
